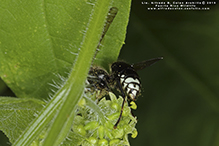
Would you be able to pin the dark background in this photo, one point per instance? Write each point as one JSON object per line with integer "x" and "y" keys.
{"x": 179, "y": 105}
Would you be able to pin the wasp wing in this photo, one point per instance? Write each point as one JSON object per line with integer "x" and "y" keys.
{"x": 142, "y": 65}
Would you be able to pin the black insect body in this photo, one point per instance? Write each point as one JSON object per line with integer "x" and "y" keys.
{"x": 123, "y": 77}
{"x": 98, "y": 80}
{"x": 127, "y": 80}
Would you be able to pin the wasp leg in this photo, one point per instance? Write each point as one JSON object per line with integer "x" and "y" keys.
{"x": 124, "y": 99}
{"x": 120, "y": 116}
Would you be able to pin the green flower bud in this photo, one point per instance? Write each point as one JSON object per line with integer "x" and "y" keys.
{"x": 101, "y": 132}
{"x": 114, "y": 142}
{"x": 134, "y": 134}
{"x": 126, "y": 111}
{"x": 108, "y": 134}
{"x": 108, "y": 125}
{"x": 133, "y": 105}
{"x": 115, "y": 106}
{"x": 79, "y": 119}
{"x": 114, "y": 116}
{"x": 92, "y": 140}
{"x": 82, "y": 102}
{"x": 113, "y": 97}
{"x": 118, "y": 133}
{"x": 80, "y": 130}
{"x": 91, "y": 125}
{"x": 102, "y": 142}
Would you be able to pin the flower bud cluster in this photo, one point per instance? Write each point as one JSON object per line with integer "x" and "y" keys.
{"x": 95, "y": 121}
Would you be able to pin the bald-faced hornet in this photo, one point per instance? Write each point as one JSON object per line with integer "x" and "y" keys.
{"x": 123, "y": 76}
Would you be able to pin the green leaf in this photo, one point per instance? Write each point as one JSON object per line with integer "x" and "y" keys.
{"x": 74, "y": 86}
{"x": 16, "y": 114}
{"x": 115, "y": 36}
{"x": 41, "y": 42}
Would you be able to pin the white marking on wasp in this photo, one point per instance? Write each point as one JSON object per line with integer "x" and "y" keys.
{"x": 132, "y": 86}
{"x": 125, "y": 85}
{"x": 127, "y": 90}
{"x": 133, "y": 94}
{"x": 131, "y": 80}
{"x": 122, "y": 78}
{"x": 101, "y": 76}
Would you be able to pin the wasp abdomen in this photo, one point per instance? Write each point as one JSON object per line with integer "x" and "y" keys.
{"x": 128, "y": 78}
{"x": 132, "y": 86}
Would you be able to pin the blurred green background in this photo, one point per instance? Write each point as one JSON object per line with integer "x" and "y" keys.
{"x": 179, "y": 105}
